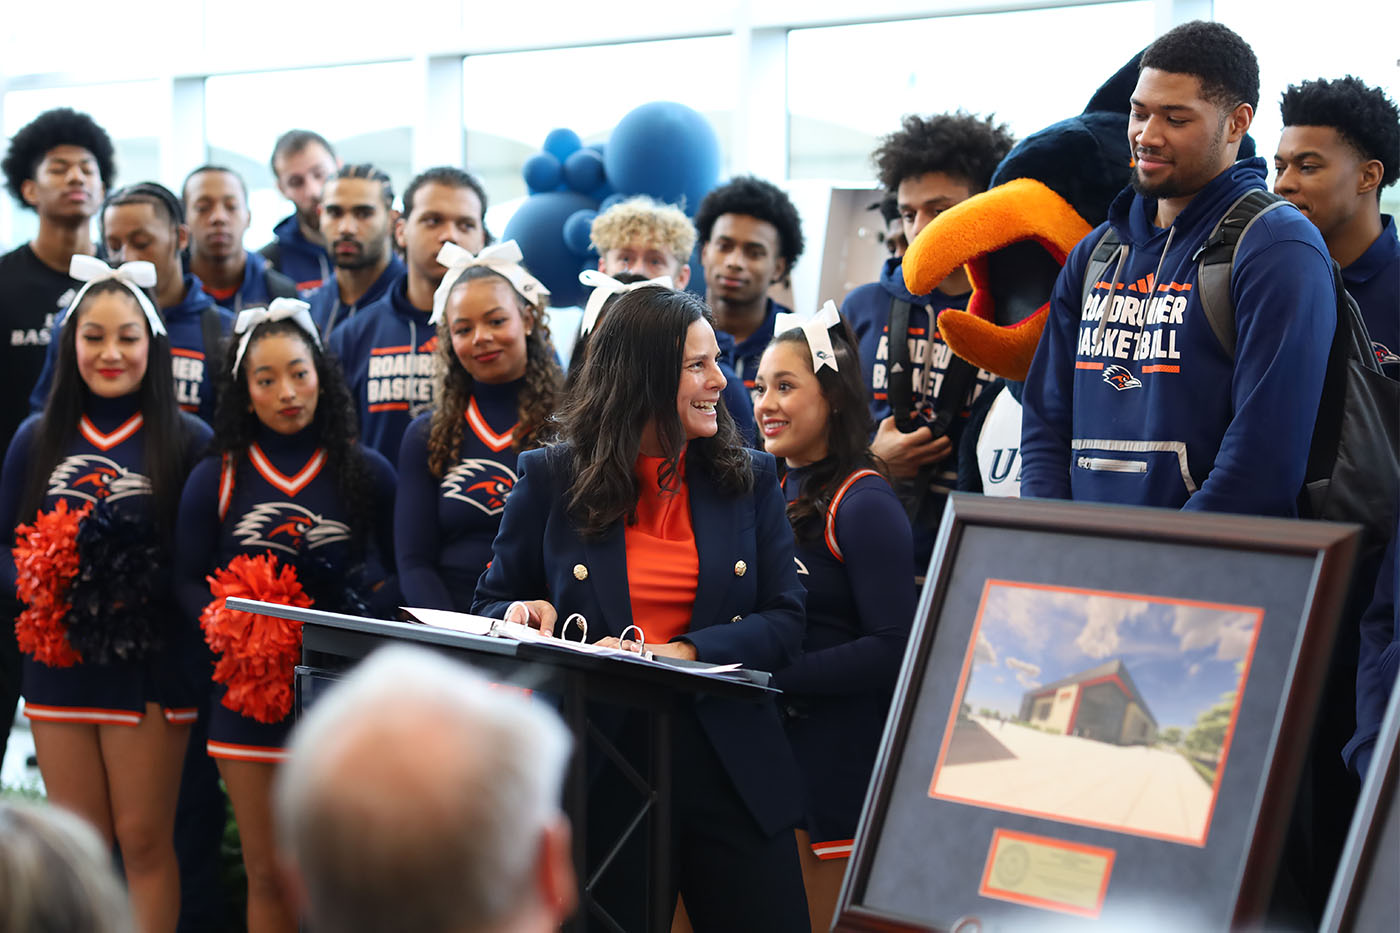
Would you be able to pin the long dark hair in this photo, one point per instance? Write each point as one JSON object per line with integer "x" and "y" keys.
{"x": 580, "y": 351}
{"x": 630, "y": 379}
{"x": 848, "y": 430}
{"x": 335, "y": 425}
{"x": 538, "y": 395}
{"x": 164, "y": 439}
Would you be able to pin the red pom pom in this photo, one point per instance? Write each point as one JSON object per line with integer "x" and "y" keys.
{"x": 46, "y": 561}
{"x": 257, "y": 651}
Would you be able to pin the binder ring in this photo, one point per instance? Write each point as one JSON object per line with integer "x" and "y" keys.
{"x": 582, "y": 627}
{"x": 641, "y": 640}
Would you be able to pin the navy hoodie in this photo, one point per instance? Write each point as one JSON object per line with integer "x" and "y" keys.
{"x": 305, "y": 263}
{"x": 1146, "y": 408}
{"x": 388, "y": 352}
{"x": 328, "y": 312}
{"x": 1374, "y": 281}
{"x": 259, "y": 286}
{"x": 194, "y": 381}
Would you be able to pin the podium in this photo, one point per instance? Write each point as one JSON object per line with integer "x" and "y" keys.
{"x": 334, "y": 643}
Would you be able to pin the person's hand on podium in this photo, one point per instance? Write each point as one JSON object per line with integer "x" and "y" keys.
{"x": 536, "y": 613}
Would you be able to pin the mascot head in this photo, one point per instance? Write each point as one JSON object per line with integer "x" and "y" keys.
{"x": 1046, "y": 195}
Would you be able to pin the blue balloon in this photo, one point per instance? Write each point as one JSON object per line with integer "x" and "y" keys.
{"x": 665, "y": 150}
{"x": 584, "y": 172}
{"x": 542, "y": 172}
{"x": 613, "y": 200}
{"x": 577, "y": 231}
{"x": 562, "y": 143}
{"x": 538, "y": 226}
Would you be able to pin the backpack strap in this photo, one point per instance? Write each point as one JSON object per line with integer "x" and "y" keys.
{"x": 1099, "y": 261}
{"x": 211, "y": 326}
{"x": 1216, "y": 261}
{"x": 900, "y": 370}
{"x": 850, "y": 481}
{"x": 226, "y": 473}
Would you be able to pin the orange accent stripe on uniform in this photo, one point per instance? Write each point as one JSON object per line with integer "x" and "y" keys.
{"x": 192, "y": 354}
{"x": 290, "y": 485}
{"x": 1161, "y": 368}
{"x": 107, "y": 441}
{"x": 497, "y": 442}
{"x": 831, "y": 544}
{"x": 1085, "y": 364}
{"x": 225, "y": 486}
{"x": 82, "y": 714}
{"x": 382, "y": 351}
{"x": 389, "y": 406}
{"x": 833, "y": 850}
{"x": 181, "y": 716}
{"x": 245, "y": 752}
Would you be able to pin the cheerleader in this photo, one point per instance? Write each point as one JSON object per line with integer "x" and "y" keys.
{"x": 855, "y": 556}
{"x": 498, "y": 382}
{"x": 93, "y": 480}
{"x": 284, "y": 510}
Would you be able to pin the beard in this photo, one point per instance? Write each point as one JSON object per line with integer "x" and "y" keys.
{"x": 367, "y": 255}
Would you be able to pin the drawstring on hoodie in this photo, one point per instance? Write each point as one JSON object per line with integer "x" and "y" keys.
{"x": 1113, "y": 288}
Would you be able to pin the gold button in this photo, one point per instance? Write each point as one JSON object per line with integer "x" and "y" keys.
{"x": 736, "y": 619}
{"x": 580, "y": 572}
{"x": 740, "y": 568}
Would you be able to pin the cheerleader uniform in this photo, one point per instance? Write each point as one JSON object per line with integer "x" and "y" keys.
{"x": 279, "y": 500}
{"x": 860, "y": 606}
{"x": 105, "y": 463}
{"x": 443, "y": 529}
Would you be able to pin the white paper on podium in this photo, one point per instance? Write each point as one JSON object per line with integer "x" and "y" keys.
{"x": 499, "y": 628}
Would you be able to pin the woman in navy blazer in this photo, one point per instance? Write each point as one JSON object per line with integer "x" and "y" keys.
{"x": 644, "y": 428}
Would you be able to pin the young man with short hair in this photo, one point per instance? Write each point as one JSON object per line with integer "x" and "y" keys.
{"x": 387, "y": 348}
{"x": 59, "y": 165}
{"x": 216, "y": 206}
{"x": 302, "y": 161}
{"x": 146, "y": 222}
{"x": 1130, "y": 397}
{"x": 750, "y": 238}
{"x": 1340, "y": 146}
{"x": 357, "y": 219}
{"x": 928, "y": 165}
{"x": 640, "y": 236}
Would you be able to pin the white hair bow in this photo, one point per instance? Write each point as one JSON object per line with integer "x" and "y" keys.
{"x": 136, "y": 276}
{"x": 504, "y": 258}
{"x": 817, "y": 329}
{"x": 604, "y": 287}
{"x": 279, "y": 309}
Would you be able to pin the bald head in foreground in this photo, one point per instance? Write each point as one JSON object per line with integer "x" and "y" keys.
{"x": 416, "y": 796}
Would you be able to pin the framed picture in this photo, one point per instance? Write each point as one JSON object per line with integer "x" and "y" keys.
{"x": 1100, "y": 720}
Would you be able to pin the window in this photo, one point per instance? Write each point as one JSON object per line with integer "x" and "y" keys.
{"x": 245, "y": 113}
{"x": 849, "y": 85}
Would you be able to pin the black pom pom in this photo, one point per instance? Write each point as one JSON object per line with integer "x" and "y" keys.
{"x": 121, "y": 595}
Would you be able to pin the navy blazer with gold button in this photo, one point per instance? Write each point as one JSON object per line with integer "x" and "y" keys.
{"x": 748, "y": 601}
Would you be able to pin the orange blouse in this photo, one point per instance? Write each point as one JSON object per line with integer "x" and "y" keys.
{"x": 663, "y": 567}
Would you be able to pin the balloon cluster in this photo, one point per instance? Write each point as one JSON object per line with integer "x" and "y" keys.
{"x": 664, "y": 150}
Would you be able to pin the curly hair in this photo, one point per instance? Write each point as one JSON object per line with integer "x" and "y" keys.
{"x": 750, "y": 195}
{"x": 641, "y": 218}
{"x": 62, "y": 126}
{"x": 848, "y": 431}
{"x": 335, "y": 424}
{"x": 538, "y": 396}
{"x": 1215, "y": 55}
{"x": 959, "y": 144}
{"x": 629, "y": 380}
{"x": 1363, "y": 116}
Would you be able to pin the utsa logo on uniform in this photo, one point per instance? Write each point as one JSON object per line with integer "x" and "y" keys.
{"x": 482, "y": 483}
{"x": 1119, "y": 377}
{"x": 285, "y": 526}
{"x": 89, "y": 477}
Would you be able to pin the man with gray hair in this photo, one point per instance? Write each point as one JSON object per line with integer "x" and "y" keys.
{"x": 417, "y": 796}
